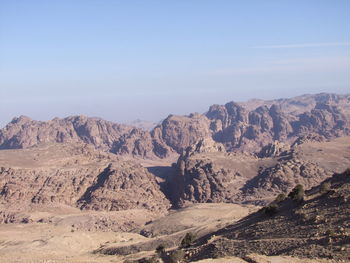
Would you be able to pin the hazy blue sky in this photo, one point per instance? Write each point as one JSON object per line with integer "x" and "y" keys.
{"x": 123, "y": 60}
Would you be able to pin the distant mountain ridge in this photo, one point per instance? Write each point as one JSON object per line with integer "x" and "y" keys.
{"x": 245, "y": 127}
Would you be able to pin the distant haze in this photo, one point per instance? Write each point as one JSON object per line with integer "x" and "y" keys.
{"x": 127, "y": 60}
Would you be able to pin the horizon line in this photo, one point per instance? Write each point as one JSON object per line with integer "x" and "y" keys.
{"x": 304, "y": 45}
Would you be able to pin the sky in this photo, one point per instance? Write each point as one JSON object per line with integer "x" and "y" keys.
{"x": 127, "y": 60}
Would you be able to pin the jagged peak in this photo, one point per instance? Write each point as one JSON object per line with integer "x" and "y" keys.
{"x": 21, "y": 119}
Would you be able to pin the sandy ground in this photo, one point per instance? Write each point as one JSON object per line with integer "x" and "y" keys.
{"x": 49, "y": 243}
{"x": 59, "y": 242}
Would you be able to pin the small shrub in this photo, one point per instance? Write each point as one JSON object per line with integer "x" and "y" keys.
{"x": 325, "y": 187}
{"x": 297, "y": 194}
{"x": 280, "y": 198}
{"x": 160, "y": 249}
{"x": 270, "y": 210}
{"x": 188, "y": 240}
{"x": 177, "y": 256}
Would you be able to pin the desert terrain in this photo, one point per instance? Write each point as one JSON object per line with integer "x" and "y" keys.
{"x": 212, "y": 187}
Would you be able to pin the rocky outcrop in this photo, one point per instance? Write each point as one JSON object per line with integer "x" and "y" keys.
{"x": 282, "y": 177}
{"x": 23, "y": 132}
{"x": 206, "y": 173}
{"x": 218, "y": 176}
{"x": 179, "y": 132}
{"x": 274, "y": 149}
{"x": 239, "y": 130}
{"x": 77, "y": 176}
{"x": 310, "y": 137}
{"x": 206, "y": 145}
{"x": 137, "y": 142}
{"x": 228, "y": 123}
{"x": 326, "y": 120}
{"x": 124, "y": 186}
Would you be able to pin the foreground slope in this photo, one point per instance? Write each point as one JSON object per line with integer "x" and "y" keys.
{"x": 318, "y": 227}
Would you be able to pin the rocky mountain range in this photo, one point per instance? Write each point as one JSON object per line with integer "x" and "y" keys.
{"x": 238, "y": 126}
{"x": 232, "y": 153}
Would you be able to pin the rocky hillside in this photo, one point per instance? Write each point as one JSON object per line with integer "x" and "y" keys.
{"x": 205, "y": 172}
{"x": 240, "y": 129}
{"x": 24, "y": 132}
{"x": 76, "y": 176}
{"x": 316, "y": 227}
{"x": 238, "y": 126}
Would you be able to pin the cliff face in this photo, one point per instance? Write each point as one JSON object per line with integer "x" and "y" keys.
{"x": 179, "y": 132}
{"x": 77, "y": 176}
{"x": 238, "y": 129}
{"x": 23, "y": 132}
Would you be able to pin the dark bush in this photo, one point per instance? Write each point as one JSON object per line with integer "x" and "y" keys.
{"x": 270, "y": 210}
{"x": 160, "y": 249}
{"x": 188, "y": 240}
{"x": 280, "y": 198}
{"x": 297, "y": 194}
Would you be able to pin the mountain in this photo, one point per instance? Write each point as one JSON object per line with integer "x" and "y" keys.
{"x": 244, "y": 127}
{"x": 23, "y": 132}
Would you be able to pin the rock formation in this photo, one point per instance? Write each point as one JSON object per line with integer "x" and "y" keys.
{"x": 239, "y": 126}
{"x": 217, "y": 176}
{"x": 76, "y": 176}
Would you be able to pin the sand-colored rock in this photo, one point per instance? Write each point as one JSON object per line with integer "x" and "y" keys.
{"x": 238, "y": 128}
{"x": 77, "y": 176}
{"x": 217, "y": 176}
